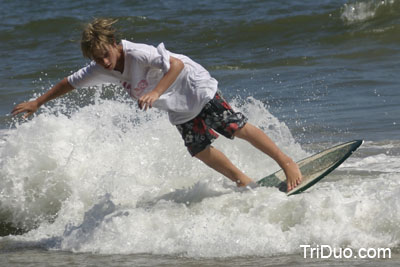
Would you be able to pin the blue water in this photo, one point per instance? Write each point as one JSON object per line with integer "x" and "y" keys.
{"x": 309, "y": 73}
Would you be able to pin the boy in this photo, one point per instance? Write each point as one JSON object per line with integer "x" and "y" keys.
{"x": 174, "y": 83}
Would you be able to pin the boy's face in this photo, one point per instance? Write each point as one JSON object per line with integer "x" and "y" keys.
{"x": 107, "y": 57}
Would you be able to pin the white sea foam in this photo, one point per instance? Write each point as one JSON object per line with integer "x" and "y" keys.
{"x": 360, "y": 11}
{"x": 111, "y": 179}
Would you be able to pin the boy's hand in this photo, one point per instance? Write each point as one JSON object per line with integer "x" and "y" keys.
{"x": 28, "y": 107}
{"x": 146, "y": 101}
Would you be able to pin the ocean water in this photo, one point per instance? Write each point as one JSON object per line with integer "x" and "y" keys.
{"x": 91, "y": 180}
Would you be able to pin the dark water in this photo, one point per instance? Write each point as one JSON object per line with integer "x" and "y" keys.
{"x": 312, "y": 73}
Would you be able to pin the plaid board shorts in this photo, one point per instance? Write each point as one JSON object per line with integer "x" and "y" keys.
{"x": 217, "y": 115}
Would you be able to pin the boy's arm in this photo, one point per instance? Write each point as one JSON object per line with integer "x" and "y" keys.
{"x": 30, "y": 107}
{"x": 147, "y": 100}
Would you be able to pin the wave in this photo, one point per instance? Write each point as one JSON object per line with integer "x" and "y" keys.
{"x": 106, "y": 178}
{"x": 260, "y": 30}
{"x": 269, "y": 38}
{"x": 39, "y": 28}
{"x": 231, "y": 224}
{"x": 64, "y": 154}
{"x": 362, "y": 11}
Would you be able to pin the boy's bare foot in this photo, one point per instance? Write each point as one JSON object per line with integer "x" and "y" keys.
{"x": 293, "y": 175}
{"x": 244, "y": 182}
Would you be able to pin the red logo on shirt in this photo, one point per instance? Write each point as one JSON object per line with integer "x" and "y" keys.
{"x": 138, "y": 90}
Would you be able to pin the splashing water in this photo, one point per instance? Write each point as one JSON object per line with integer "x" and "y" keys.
{"x": 108, "y": 178}
{"x": 361, "y": 11}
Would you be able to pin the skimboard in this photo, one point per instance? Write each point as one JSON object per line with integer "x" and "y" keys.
{"x": 313, "y": 168}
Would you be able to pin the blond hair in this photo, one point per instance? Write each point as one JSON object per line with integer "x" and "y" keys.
{"x": 97, "y": 35}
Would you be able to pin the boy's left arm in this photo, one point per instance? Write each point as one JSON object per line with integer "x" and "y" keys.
{"x": 146, "y": 101}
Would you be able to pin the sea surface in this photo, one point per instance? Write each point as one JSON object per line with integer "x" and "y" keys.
{"x": 91, "y": 180}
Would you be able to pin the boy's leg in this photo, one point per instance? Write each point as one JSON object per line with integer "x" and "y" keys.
{"x": 261, "y": 141}
{"x": 217, "y": 114}
{"x": 219, "y": 162}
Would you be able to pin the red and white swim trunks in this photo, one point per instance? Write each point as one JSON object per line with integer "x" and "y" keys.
{"x": 217, "y": 115}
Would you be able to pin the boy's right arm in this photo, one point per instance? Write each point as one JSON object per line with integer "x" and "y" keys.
{"x": 30, "y": 107}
